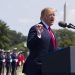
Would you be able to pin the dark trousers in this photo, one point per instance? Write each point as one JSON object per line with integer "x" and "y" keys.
{"x": 14, "y": 67}
{"x": 1, "y": 68}
{"x": 8, "y": 68}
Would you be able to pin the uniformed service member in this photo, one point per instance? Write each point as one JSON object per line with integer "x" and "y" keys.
{"x": 14, "y": 62}
{"x": 2, "y": 60}
{"x": 8, "y": 62}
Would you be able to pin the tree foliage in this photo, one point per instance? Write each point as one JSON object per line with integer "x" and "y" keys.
{"x": 4, "y": 36}
{"x": 9, "y": 38}
{"x": 65, "y": 37}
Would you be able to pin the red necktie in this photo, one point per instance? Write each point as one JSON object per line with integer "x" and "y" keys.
{"x": 53, "y": 38}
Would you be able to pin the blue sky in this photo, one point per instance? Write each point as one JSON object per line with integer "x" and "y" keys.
{"x": 20, "y": 15}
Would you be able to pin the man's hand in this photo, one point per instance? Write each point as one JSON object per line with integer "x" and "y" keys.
{"x": 39, "y": 28}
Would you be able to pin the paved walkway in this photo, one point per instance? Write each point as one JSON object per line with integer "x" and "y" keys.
{"x": 18, "y": 71}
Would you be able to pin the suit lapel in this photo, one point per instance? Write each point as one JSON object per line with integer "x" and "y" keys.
{"x": 47, "y": 32}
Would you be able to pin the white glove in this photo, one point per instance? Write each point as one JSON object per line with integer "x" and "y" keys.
{"x": 20, "y": 63}
{"x": 23, "y": 61}
{"x": 10, "y": 60}
{"x": 3, "y": 60}
{"x": 16, "y": 60}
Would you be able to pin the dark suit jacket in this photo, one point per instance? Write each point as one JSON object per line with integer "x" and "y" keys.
{"x": 38, "y": 47}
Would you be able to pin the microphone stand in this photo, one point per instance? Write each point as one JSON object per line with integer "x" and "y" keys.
{"x": 71, "y": 26}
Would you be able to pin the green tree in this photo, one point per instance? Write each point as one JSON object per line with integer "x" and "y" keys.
{"x": 4, "y": 37}
{"x": 65, "y": 37}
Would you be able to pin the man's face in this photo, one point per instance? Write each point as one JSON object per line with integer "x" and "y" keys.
{"x": 49, "y": 17}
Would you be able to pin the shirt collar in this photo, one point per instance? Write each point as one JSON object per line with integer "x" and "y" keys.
{"x": 45, "y": 24}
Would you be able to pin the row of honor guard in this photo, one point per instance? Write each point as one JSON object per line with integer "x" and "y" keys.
{"x": 9, "y": 60}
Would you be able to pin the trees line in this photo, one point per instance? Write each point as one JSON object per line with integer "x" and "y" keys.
{"x": 8, "y": 37}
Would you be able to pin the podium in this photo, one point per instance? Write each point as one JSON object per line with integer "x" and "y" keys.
{"x": 61, "y": 62}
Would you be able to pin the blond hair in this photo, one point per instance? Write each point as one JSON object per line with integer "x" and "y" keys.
{"x": 45, "y": 10}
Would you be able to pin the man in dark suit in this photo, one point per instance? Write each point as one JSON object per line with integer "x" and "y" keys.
{"x": 41, "y": 41}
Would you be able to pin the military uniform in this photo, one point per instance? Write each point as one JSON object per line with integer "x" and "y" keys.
{"x": 14, "y": 63}
{"x": 1, "y": 63}
{"x": 8, "y": 63}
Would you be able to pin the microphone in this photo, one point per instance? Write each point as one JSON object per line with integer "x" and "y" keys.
{"x": 63, "y": 24}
